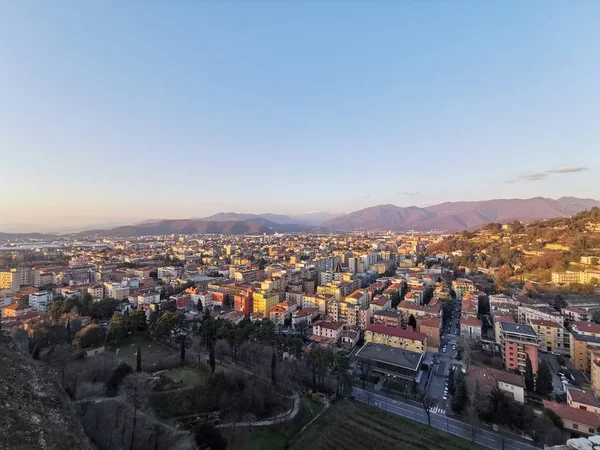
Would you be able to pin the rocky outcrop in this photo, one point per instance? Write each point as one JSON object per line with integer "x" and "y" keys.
{"x": 35, "y": 411}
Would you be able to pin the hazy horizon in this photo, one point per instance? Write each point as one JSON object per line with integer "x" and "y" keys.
{"x": 138, "y": 111}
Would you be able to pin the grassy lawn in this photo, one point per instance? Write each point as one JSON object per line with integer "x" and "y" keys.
{"x": 187, "y": 375}
{"x": 348, "y": 424}
{"x": 152, "y": 351}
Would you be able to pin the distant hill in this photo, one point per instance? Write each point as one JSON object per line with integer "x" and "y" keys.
{"x": 191, "y": 226}
{"x": 452, "y": 216}
{"x": 316, "y": 218}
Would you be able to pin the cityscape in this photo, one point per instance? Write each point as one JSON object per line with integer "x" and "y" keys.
{"x": 299, "y": 226}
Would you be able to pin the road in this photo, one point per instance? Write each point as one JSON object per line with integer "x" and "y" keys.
{"x": 438, "y": 380}
{"x": 442, "y": 422}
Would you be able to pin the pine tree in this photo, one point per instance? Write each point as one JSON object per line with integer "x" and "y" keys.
{"x": 138, "y": 367}
{"x": 274, "y": 369}
{"x": 461, "y": 396}
{"x": 529, "y": 381}
{"x": 211, "y": 358}
{"x": 182, "y": 350}
{"x": 544, "y": 380}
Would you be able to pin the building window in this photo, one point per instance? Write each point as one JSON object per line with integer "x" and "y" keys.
{"x": 575, "y": 426}
{"x": 583, "y": 407}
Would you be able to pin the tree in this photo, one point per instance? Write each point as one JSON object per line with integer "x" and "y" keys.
{"x": 56, "y": 310}
{"x": 544, "y": 380}
{"x": 428, "y": 403}
{"x": 364, "y": 364}
{"x": 138, "y": 367}
{"x": 117, "y": 377}
{"x": 182, "y": 349}
{"x": 529, "y": 381}
{"x": 209, "y": 437}
{"x": 136, "y": 388}
{"x": 211, "y": 358}
{"x": 559, "y": 302}
{"x": 461, "y": 396}
{"x": 274, "y": 369}
{"x": 596, "y": 316}
{"x": 451, "y": 377}
{"x": 90, "y": 336}
{"x": 412, "y": 322}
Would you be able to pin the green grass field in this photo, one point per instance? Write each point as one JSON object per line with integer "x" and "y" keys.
{"x": 152, "y": 351}
{"x": 187, "y": 375}
{"x": 348, "y": 424}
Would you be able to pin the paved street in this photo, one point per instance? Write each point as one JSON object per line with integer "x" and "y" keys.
{"x": 481, "y": 436}
{"x": 438, "y": 380}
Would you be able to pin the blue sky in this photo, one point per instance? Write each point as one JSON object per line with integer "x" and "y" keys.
{"x": 132, "y": 110}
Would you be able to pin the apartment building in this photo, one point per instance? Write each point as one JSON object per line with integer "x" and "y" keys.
{"x": 316, "y": 301}
{"x": 40, "y": 301}
{"x": 172, "y": 272}
{"x": 262, "y": 302}
{"x": 388, "y": 317}
{"x": 568, "y": 277}
{"x": 328, "y": 329}
{"x": 116, "y": 291}
{"x": 471, "y": 327}
{"x": 96, "y": 291}
{"x": 585, "y": 340}
{"x": 551, "y": 335}
{"x": 461, "y": 286}
{"x": 396, "y": 337}
{"x": 573, "y": 314}
{"x": 526, "y": 314}
{"x": 21, "y": 276}
{"x": 595, "y": 370}
{"x": 517, "y": 342}
{"x": 430, "y": 327}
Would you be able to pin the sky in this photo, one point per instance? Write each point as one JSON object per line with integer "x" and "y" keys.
{"x": 122, "y": 111}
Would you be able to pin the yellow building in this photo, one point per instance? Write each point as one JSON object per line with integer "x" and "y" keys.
{"x": 551, "y": 335}
{"x": 461, "y": 286}
{"x": 396, "y": 337}
{"x": 575, "y": 277}
{"x": 585, "y": 339}
{"x": 9, "y": 280}
{"x": 595, "y": 369}
{"x": 263, "y": 302}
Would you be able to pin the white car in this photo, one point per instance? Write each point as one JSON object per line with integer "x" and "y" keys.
{"x": 445, "y": 397}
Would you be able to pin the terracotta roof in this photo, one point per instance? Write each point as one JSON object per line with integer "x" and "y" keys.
{"x": 430, "y": 322}
{"x": 470, "y": 321}
{"x": 585, "y": 397}
{"x": 574, "y": 414}
{"x": 329, "y": 325}
{"x": 398, "y": 332}
{"x": 545, "y": 323}
{"x": 587, "y": 327}
{"x": 381, "y": 301}
{"x": 497, "y": 375}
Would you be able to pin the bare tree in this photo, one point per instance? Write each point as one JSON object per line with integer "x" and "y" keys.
{"x": 136, "y": 388}
{"x": 428, "y": 403}
{"x": 364, "y": 365}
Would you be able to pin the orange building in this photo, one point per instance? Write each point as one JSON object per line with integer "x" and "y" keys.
{"x": 517, "y": 343}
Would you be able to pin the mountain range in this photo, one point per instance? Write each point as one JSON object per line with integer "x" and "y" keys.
{"x": 449, "y": 216}
{"x": 453, "y": 216}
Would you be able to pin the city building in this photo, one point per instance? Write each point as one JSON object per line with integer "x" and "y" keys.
{"x": 471, "y": 327}
{"x": 117, "y": 291}
{"x": 551, "y": 335}
{"x": 388, "y": 317}
{"x": 517, "y": 343}
{"x": 485, "y": 377}
{"x": 390, "y": 361}
{"x": 262, "y": 302}
{"x": 577, "y": 421}
{"x": 396, "y": 337}
{"x": 40, "y": 301}
{"x": 328, "y": 329}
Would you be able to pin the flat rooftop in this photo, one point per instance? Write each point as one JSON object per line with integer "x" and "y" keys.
{"x": 520, "y": 328}
{"x": 390, "y": 355}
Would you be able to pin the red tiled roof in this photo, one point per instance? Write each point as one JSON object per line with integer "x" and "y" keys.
{"x": 574, "y": 414}
{"x": 545, "y": 323}
{"x": 398, "y": 332}
{"x": 585, "y": 397}
{"x": 588, "y": 327}
{"x": 329, "y": 325}
{"x": 470, "y": 321}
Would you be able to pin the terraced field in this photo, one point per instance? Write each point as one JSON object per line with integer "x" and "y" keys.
{"x": 349, "y": 425}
